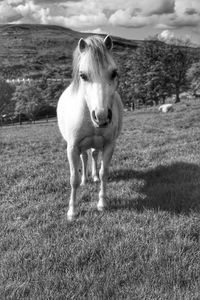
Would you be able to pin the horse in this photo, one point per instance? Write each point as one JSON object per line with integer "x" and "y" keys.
{"x": 90, "y": 114}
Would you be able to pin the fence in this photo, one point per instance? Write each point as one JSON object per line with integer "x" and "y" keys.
{"x": 9, "y": 121}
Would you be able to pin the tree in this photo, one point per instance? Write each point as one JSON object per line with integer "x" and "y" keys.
{"x": 32, "y": 97}
{"x": 152, "y": 80}
{"x": 53, "y": 90}
{"x": 177, "y": 62}
{"x": 193, "y": 75}
{"x": 6, "y": 92}
{"x": 161, "y": 70}
{"x": 28, "y": 99}
{"x": 52, "y": 84}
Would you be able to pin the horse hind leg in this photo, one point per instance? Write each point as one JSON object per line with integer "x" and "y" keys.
{"x": 95, "y": 174}
{"x": 84, "y": 159}
{"x": 74, "y": 162}
{"x": 93, "y": 156}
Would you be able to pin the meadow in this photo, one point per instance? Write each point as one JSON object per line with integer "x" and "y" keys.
{"x": 146, "y": 245}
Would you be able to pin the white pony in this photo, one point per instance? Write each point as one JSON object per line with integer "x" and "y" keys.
{"x": 90, "y": 114}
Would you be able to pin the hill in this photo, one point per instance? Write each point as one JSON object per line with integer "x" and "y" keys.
{"x": 26, "y": 49}
{"x": 33, "y": 51}
{"x": 30, "y": 49}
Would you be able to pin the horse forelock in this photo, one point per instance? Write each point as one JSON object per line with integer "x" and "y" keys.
{"x": 97, "y": 57}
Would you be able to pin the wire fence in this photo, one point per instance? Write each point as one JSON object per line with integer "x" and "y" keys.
{"x": 12, "y": 122}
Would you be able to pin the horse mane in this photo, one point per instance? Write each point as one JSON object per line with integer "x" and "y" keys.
{"x": 99, "y": 57}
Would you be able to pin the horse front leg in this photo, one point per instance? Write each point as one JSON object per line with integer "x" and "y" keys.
{"x": 74, "y": 163}
{"x": 103, "y": 174}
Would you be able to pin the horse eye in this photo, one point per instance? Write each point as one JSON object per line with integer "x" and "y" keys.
{"x": 84, "y": 76}
{"x": 114, "y": 74}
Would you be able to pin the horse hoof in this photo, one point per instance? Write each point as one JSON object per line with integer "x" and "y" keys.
{"x": 100, "y": 207}
{"x": 70, "y": 216}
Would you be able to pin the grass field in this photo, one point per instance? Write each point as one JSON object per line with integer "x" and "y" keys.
{"x": 145, "y": 246}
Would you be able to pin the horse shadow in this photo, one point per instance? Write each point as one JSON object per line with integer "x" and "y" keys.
{"x": 174, "y": 188}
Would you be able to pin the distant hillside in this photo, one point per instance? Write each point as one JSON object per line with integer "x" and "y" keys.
{"x": 27, "y": 49}
{"x": 30, "y": 50}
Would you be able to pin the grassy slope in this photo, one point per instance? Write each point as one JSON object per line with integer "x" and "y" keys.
{"x": 146, "y": 246}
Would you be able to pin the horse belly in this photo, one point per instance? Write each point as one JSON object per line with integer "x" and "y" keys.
{"x": 96, "y": 142}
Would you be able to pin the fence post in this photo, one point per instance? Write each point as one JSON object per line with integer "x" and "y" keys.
{"x": 20, "y": 120}
{"x": 132, "y": 106}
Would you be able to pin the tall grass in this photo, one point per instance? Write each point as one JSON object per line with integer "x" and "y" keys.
{"x": 144, "y": 246}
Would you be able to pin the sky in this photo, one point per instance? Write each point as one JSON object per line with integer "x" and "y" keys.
{"x": 132, "y": 19}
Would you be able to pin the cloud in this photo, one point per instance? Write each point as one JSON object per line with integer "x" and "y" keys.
{"x": 95, "y": 14}
{"x": 142, "y": 13}
{"x": 29, "y": 11}
{"x": 166, "y": 35}
{"x": 14, "y": 2}
{"x": 169, "y": 36}
{"x": 21, "y": 11}
{"x": 158, "y": 7}
{"x": 8, "y": 13}
{"x": 179, "y": 21}
{"x": 79, "y": 22}
{"x": 50, "y": 1}
{"x": 96, "y": 30}
{"x": 32, "y": 13}
{"x": 190, "y": 11}
{"x": 183, "y": 5}
{"x": 187, "y": 14}
{"x": 125, "y": 19}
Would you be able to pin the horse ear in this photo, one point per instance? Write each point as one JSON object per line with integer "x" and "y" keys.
{"x": 82, "y": 45}
{"x": 108, "y": 42}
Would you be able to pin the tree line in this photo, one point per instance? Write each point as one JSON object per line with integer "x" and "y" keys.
{"x": 30, "y": 99}
{"x": 159, "y": 70}
{"x": 154, "y": 72}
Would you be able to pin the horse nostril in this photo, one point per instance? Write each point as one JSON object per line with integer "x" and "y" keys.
{"x": 101, "y": 118}
{"x": 94, "y": 115}
{"x": 109, "y": 114}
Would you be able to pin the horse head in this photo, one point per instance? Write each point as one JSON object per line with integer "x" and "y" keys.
{"x": 97, "y": 77}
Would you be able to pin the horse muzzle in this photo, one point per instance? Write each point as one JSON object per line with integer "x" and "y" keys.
{"x": 102, "y": 118}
